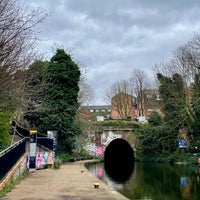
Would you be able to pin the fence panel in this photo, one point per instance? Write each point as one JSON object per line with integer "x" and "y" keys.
{"x": 10, "y": 156}
{"x": 45, "y": 142}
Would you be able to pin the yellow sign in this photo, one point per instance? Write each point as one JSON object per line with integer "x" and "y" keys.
{"x": 33, "y": 131}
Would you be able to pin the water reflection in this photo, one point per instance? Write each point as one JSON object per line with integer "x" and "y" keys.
{"x": 119, "y": 160}
{"x": 119, "y": 172}
{"x": 99, "y": 171}
{"x": 155, "y": 181}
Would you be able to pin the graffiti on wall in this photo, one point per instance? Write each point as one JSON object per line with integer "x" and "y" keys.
{"x": 95, "y": 150}
{"x": 43, "y": 159}
{"x": 99, "y": 151}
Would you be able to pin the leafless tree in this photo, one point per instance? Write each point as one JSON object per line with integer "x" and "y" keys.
{"x": 120, "y": 95}
{"x": 18, "y": 37}
{"x": 186, "y": 62}
{"x": 86, "y": 93}
{"x": 140, "y": 83}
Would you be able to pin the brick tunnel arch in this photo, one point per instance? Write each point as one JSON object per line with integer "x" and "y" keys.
{"x": 119, "y": 160}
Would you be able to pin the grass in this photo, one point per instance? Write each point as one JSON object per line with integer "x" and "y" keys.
{"x": 10, "y": 185}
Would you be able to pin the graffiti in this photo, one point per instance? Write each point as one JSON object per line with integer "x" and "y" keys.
{"x": 50, "y": 158}
{"x": 39, "y": 160}
{"x": 43, "y": 159}
{"x": 99, "y": 151}
{"x": 95, "y": 150}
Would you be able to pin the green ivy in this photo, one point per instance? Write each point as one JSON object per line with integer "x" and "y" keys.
{"x": 4, "y": 129}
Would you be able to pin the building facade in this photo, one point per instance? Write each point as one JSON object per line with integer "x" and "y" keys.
{"x": 124, "y": 106}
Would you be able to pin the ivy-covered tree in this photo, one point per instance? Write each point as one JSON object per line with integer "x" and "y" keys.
{"x": 195, "y": 102}
{"x": 173, "y": 97}
{"x": 4, "y": 129}
{"x": 34, "y": 90}
{"x": 154, "y": 119}
{"x": 60, "y": 100}
{"x": 161, "y": 138}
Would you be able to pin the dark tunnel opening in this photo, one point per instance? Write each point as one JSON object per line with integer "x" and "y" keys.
{"x": 119, "y": 160}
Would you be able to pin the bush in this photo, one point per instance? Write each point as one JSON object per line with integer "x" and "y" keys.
{"x": 4, "y": 129}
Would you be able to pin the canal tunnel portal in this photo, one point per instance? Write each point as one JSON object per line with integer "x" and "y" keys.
{"x": 119, "y": 159}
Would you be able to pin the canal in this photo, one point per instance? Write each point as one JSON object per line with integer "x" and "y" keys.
{"x": 153, "y": 181}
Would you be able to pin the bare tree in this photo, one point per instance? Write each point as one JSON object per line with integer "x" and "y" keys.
{"x": 86, "y": 92}
{"x": 121, "y": 97}
{"x": 17, "y": 40}
{"x": 186, "y": 62}
{"x": 141, "y": 83}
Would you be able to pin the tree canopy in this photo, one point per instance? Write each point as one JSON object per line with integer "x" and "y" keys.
{"x": 54, "y": 87}
{"x": 173, "y": 97}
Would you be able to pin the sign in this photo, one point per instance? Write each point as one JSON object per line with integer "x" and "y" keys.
{"x": 182, "y": 143}
{"x": 184, "y": 181}
{"x": 54, "y": 136}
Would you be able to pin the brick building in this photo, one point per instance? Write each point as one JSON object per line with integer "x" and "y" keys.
{"x": 126, "y": 106}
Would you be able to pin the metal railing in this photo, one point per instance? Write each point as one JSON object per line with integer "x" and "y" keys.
{"x": 45, "y": 142}
{"x": 10, "y": 156}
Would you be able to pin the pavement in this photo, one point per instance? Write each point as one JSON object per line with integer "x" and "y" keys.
{"x": 71, "y": 182}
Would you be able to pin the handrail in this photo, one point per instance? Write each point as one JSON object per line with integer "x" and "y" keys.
{"x": 11, "y": 147}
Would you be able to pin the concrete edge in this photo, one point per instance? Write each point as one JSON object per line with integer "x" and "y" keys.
{"x": 116, "y": 194}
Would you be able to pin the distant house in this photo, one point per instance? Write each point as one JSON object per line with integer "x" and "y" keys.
{"x": 93, "y": 113}
{"x": 151, "y": 102}
{"x": 125, "y": 106}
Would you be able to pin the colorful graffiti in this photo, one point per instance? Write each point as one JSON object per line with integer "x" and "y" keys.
{"x": 43, "y": 159}
{"x": 95, "y": 150}
{"x": 99, "y": 151}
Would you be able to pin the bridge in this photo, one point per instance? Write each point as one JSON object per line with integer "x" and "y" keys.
{"x": 101, "y": 139}
{"x": 117, "y": 145}
{"x": 119, "y": 157}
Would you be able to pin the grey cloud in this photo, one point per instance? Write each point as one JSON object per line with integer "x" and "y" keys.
{"x": 112, "y": 37}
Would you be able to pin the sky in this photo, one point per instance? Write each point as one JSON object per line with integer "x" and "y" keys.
{"x": 111, "y": 38}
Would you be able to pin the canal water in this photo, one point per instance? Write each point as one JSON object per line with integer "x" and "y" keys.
{"x": 154, "y": 181}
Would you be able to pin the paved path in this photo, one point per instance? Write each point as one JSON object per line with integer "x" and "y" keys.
{"x": 72, "y": 181}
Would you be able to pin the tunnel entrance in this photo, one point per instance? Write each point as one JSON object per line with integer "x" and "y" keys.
{"x": 119, "y": 160}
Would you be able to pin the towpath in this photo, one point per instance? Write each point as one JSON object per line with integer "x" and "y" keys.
{"x": 71, "y": 182}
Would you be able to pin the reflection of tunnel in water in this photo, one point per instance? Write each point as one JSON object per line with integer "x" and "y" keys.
{"x": 119, "y": 160}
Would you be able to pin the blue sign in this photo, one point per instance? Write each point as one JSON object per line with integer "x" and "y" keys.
{"x": 184, "y": 181}
{"x": 182, "y": 143}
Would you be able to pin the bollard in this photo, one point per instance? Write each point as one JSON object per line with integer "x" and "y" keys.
{"x": 96, "y": 185}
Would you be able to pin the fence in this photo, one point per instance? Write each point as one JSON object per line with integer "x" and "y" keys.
{"x": 45, "y": 142}
{"x": 10, "y": 156}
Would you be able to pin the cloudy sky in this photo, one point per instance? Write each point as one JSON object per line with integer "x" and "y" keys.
{"x": 111, "y": 38}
